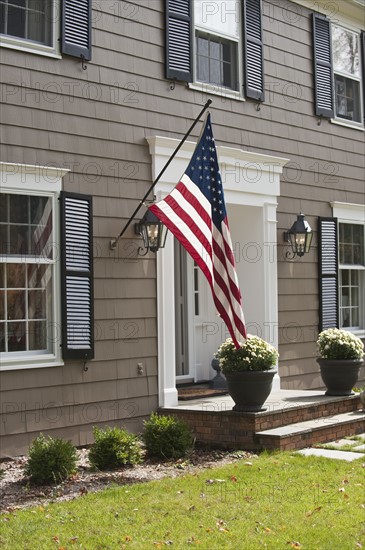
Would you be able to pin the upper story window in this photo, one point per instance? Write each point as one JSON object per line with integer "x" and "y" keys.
{"x": 47, "y": 27}
{"x": 347, "y": 74}
{"x": 218, "y": 45}
{"x": 338, "y": 71}
{"x": 27, "y": 19}
{"x": 29, "y": 25}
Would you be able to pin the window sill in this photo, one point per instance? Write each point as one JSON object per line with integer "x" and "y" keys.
{"x": 216, "y": 90}
{"x": 28, "y": 47}
{"x": 33, "y": 363}
{"x": 354, "y": 126}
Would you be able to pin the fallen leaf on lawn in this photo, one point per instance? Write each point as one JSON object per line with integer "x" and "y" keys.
{"x": 168, "y": 542}
{"x": 234, "y": 479}
{"x": 221, "y": 522}
{"x": 56, "y": 539}
{"x": 345, "y": 496}
{"x": 341, "y": 490}
{"x": 345, "y": 481}
{"x": 74, "y": 539}
{"x": 209, "y": 481}
{"x": 358, "y": 545}
{"x": 294, "y": 544}
{"x": 267, "y": 529}
{"x": 209, "y": 529}
{"x": 308, "y": 514}
{"x": 83, "y": 491}
{"x": 6, "y": 519}
{"x": 128, "y": 538}
{"x": 191, "y": 508}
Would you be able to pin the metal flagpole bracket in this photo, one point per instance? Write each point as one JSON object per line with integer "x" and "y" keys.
{"x": 114, "y": 242}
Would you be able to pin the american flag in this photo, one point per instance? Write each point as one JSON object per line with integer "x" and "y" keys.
{"x": 195, "y": 212}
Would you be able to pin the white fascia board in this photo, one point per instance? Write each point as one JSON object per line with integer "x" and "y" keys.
{"x": 345, "y": 211}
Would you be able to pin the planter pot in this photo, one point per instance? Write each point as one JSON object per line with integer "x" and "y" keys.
{"x": 339, "y": 375}
{"x": 250, "y": 389}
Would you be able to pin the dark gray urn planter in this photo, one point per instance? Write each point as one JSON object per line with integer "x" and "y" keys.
{"x": 250, "y": 389}
{"x": 339, "y": 375}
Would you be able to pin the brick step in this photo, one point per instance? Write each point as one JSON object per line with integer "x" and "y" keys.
{"x": 304, "y": 434}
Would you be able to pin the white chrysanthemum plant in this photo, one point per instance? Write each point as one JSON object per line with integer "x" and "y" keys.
{"x": 255, "y": 354}
{"x": 334, "y": 343}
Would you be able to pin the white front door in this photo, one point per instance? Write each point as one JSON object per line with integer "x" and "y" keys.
{"x": 198, "y": 328}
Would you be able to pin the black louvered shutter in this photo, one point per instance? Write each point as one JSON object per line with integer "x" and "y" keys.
{"x": 253, "y": 49}
{"x": 77, "y": 276}
{"x": 178, "y": 40}
{"x": 76, "y": 28}
{"x": 328, "y": 273}
{"x": 323, "y": 71}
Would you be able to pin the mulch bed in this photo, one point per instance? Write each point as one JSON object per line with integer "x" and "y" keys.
{"x": 17, "y": 492}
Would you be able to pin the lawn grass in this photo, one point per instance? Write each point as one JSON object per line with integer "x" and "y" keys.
{"x": 278, "y": 501}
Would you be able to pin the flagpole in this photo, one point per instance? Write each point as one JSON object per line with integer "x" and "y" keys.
{"x": 114, "y": 242}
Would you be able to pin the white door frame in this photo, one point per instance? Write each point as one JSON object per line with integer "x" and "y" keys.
{"x": 249, "y": 179}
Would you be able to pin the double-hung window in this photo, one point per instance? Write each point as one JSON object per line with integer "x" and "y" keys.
{"x": 30, "y": 24}
{"x": 47, "y": 27}
{"x": 216, "y": 45}
{"x": 351, "y": 275}
{"x": 347, "y": 75}
{"x": 339, "y": 70}
{"x": 342, "y": 268}
{"x": 46, "y": 295}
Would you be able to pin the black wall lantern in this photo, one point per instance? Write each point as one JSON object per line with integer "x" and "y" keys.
{"x": 299, "y": 236}
{"x": 152, "y": 231}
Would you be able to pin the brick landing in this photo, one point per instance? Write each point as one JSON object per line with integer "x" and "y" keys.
{"x": 292, "y": 420}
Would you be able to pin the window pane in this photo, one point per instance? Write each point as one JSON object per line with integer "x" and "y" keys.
{"x": 348, "y": 104}
{"x": 16, "y": 22}
{"x": 2, "y": 305}
{"x": 222, "y": 16}
{"x": 345, "y": 51}
{"x": 19, "y": 209}
{"x": 355, "y": 317}
{"x": 36, "y": 304}
{"x": 2, "y": 337}
{"x": 4, "y": 239}
{"x": 2, "y": 275}
{"x": 2, "y": 18}
{"x": 19, "y": 239}
{"x": 16, "y": 337}
{"x": 202, "y": 46}
{"x": 38, "y": 275}
{"x": 38, "y": 335}
{"x": 4, "y": 208}
{"x": 15, "y": 274}
{"x": 16, "y": 304}
{"x": 215, "y": 72}
{"x": 345, "y": 317}
{"x": 345, "y": 296}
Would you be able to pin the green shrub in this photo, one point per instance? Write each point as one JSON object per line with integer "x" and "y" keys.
{"x": 50, "y": 460}
{"x": 114, "y": 447}
{"x": 167, "y": 436}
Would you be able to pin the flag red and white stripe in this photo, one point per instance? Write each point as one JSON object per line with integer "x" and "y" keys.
{"x": 195, "y": 213}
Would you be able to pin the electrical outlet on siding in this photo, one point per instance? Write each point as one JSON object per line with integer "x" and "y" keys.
{"x": 140, "y": 369}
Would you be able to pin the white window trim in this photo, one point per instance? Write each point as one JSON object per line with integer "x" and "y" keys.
{"x": 216, "y": 89}
{"x": 33, "y": 180}
{"x": 354, "y": 214}
{"x": 29, "y": 46}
